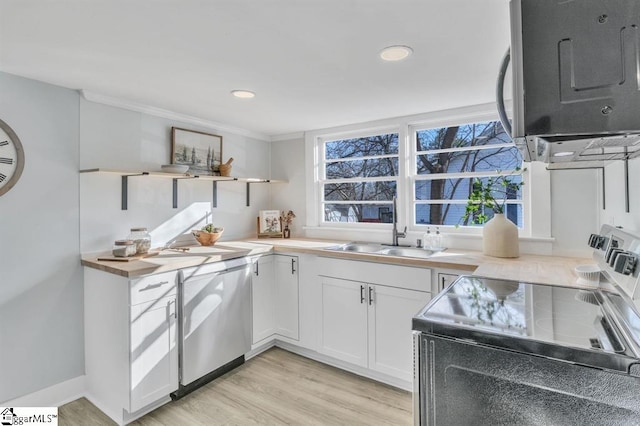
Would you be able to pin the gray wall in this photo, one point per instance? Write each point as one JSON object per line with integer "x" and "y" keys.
{"x": 41, "y": 308}
{"x": 114, "y": 138}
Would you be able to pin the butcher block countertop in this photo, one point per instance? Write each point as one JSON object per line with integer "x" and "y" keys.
{"x": 529, "y": 268}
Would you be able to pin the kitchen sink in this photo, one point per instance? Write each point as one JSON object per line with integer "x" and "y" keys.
{"x": 375, "y": 248}
{"x": 357, "y": 247}
{"x": 407, "y": 252}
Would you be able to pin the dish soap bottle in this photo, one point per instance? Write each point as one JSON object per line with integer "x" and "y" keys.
{"x": 428, "y": 239}
{"x": 437, "y": 240}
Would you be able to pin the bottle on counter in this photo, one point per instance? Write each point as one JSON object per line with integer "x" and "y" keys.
{"x": 437, "y": 239}
{"x": 124, "y": 248}
{"x": 427, "y": 239}
{"x": 142, "y": 240}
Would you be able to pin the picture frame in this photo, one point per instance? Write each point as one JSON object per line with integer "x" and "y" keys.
{"x": 201, "y": 151}
{"x": 269, "y": 222}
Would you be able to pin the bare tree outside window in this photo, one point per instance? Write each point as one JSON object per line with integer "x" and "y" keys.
{"x": 360, "y": 175}
{"x": 445, "y": 154}
{"x": 361, "y": 178}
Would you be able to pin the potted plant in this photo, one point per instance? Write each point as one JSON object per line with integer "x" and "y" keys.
{"x": 286, "y": 219}
{"x": 499, "y": 234}
{"x": 208, "y": 234}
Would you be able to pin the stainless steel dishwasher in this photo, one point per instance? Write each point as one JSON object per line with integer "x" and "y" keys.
{"x": 215, "y": 321}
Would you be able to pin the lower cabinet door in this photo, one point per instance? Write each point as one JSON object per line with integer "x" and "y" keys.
{"x": 286, "y": 290}
{"x": 153, "y": 351}
{"x": 343, "y": 333}
{"x": 390, "y": 337}
{"x": 263, "y": 298}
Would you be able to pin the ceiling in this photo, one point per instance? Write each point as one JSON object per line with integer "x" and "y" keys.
{"x": 312, "y": 63}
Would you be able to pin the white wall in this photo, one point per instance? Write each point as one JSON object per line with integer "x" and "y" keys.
{"x": 41, "y": 311}
{"x": 287, "y": 163}
{"x": 575, "y": 207}
{"x": 116, "y": 138}
{"x": 615, "y": 212}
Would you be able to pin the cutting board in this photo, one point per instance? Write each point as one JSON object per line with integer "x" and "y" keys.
{"x": 128, "y": 259}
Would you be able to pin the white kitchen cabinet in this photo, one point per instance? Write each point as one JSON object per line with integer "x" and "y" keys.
{"x": 153, "y": 351}
{"x": 444, "y": 277}
{"x": 275, "y": 304}
{"x": 286, "y": 290}
{"x": 131, "y": 350}
{"x": 263, "y": 298}
{"x": 369, "y": 325}
{"x": 390, "y": 337}
{"x": 343, "y": 324}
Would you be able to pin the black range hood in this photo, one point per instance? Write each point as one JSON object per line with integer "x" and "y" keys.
{"x": 576, "y": 80}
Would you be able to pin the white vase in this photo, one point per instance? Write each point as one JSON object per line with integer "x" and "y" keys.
{"x": 500, "y": 237}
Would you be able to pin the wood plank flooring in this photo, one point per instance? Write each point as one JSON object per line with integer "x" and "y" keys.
{"x": 274, "y": 388}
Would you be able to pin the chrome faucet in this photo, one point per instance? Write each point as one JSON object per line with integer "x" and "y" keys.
{"x": 395, "y": 233}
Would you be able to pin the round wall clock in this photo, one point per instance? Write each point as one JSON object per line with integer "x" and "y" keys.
{"x": 11, "y": 158}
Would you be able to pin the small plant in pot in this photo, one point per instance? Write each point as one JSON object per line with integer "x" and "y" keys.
{"x": 208, "y": 234}
{"x": 500, "y": 235}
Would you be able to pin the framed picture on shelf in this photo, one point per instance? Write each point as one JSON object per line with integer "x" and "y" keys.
{"x": 202, "y": 152}
{"x": 269, "y": 222}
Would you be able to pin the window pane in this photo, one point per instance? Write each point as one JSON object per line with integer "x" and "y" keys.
{"x": 360, "y": 191}
{"x": 460, "y": 189}
{"x": 362, "y": 147}
{"x": 483, "y": 160}
{"x": 451, "y": 214}
{"x": 372, "y": 213}
{"x": 363, "y": 168}
{"x": 461, "y": 136}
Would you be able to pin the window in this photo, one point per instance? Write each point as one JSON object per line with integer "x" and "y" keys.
{"x": 358, "y": 178}
{"x": 448, "y": 159}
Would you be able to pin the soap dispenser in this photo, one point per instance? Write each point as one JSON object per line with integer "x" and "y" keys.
{"x": 428, "y": 239}
{"x": 437, "y": 239}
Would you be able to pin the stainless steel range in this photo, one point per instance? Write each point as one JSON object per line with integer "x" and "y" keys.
{"x": 504, "y": 352}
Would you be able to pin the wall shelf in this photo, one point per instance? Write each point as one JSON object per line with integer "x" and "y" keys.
{"x": 125, "y": 175}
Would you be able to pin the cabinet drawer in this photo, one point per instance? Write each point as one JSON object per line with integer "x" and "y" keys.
{"x": 407, "y": 277}
{"x": 153, "y": 287}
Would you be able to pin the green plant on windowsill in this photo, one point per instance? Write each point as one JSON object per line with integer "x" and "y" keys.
{"x": 490, "y": 194}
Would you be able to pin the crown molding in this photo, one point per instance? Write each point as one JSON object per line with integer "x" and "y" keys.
{"x": 287, "y": 137}
{"x": 171, "y": 115}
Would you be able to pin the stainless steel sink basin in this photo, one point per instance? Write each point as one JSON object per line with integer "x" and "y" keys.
{"x": 357, "y": 247}
{"x": 407, "y": 252}
{"x": 375, "y": 248}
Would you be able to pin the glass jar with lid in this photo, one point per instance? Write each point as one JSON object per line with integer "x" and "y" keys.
{"x": 142, "y": 239}
{"x": 124, "y": 248}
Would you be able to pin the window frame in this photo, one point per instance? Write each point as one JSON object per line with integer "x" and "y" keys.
{"x": 536, "y": 198}
{"x": 413, "y": 177}
{"x": 321, "y": 179}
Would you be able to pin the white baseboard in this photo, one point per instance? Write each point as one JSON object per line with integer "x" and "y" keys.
{"x": 360, "y": 371}
{"x": 260, "y": 347}
{"x": 53, "y": 396}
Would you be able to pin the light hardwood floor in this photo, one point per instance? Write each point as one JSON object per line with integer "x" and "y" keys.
{"x": 274, "y": 388}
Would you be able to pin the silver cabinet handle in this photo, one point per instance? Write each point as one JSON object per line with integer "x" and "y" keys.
{"x": 151, "y": 286}
{"x": 257, "y": 271}
{"x": 361, "y": 294}
{"x": 371, "y": 294}
{"x": 175, "y": 311}
{"x": 293, "y": 266}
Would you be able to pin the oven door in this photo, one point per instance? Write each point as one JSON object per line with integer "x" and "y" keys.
{"x": 461, "y": 383}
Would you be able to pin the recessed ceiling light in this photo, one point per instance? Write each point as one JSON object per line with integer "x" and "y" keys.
{"x": 563, "y": 153}
{"x": 244, "y": 94}
{"x": 395, "y": 53}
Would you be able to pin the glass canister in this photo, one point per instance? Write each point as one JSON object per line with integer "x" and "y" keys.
{"x": 124, "y": 248}
{"x": 142, "y": 238}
